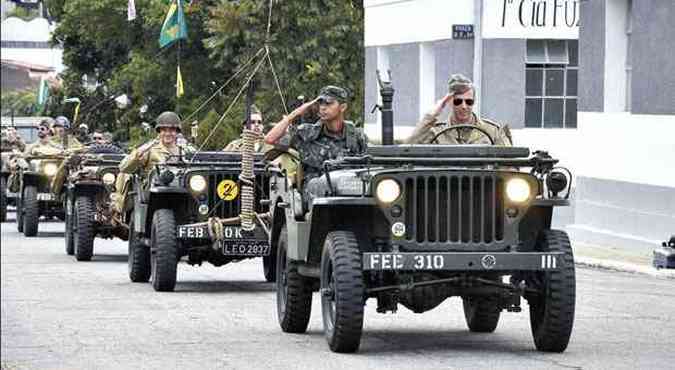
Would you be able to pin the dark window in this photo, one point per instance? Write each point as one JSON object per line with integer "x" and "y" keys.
{"x": 553, "y": 113}
{"x": 571, "y": 113}
{"x": 551, "y": 83}
{"x": 534, "y": 82}
{"x": 554, "y": 82}
{"x": 571, "y": 82}
{"x": 533, "y": 112}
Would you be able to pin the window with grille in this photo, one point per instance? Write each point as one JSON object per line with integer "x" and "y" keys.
{"x": 551, "y": 77}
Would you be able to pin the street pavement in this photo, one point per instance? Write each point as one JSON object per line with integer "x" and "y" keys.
{"x": 58, "y": 313}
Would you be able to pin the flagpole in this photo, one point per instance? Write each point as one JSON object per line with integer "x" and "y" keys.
{"x": 178, "y": 68}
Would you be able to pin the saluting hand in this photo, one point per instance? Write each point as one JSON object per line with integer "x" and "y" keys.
{"x": 440, "y": 104}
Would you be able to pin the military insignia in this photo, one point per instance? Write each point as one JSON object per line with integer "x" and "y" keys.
{"x": 227, "y": 190}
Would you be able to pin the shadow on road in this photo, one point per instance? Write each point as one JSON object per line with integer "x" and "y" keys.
{"x": 224, "y": 286}
{"x": 109, "y": 258}
{"x": 51, "y": 234}
{"x": 395, "y": 341}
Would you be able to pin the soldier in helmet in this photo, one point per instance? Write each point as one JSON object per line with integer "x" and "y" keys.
{"x": 256, "y": 125}
{"x": 147, "y": 155}
{"x": 83, "y": 134}
{"x": 61, "y": 137}
{"x": 462, "y": 95}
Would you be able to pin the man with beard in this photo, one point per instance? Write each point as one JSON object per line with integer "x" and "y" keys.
{"x": 330, "y": 137}
{"x": 462, "y": 95}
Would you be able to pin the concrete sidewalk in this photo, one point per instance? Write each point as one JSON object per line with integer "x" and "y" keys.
{"x": 618, "y": 259}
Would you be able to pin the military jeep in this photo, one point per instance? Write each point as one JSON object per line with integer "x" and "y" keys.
{"x": 415, "y": 225}
{"x": 35, "y": 198}
{"x": 91, "y": 179}
{"x": 8, "y": 197}
{"x": 177, "y": 211}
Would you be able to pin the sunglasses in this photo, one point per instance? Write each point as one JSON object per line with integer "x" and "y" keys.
{"x": 256, "y": 122}
{"x": 98, "y": 138}
{"x": 43, "y": 129}
{"x": 458, "y": 101}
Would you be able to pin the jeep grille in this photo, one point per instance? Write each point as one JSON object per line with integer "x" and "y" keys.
{"x": 225, "y": 209}
{"x": 462, "y": 209}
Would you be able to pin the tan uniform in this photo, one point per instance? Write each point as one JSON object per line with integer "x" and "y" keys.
{"x": 430, "y": 127}
{"x": 73, "y": 143}
{"x": 133, "y": 162}
{"x": 38, "y": 148}
{"x": 237, "y": 145}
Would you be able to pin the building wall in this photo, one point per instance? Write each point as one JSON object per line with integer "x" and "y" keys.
{"x": 503, "y": 88}
{"x": 592, "y": 56}
{"x": 653, "y": 82}
{"x": 615, "y": 55}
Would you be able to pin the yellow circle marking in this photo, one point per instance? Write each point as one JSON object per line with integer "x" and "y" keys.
{"x": 227, "y": 190}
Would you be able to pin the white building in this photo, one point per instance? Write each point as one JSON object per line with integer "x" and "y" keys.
{"x": 592, "y": 82}
{"x": 27, "y": 54}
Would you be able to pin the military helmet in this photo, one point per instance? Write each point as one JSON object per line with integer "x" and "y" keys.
{"x": 62, "y": 122}
{"x": 167, "y": 119}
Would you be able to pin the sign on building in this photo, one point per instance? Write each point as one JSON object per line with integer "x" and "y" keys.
{"x": 531, "y": 19}
{"x": 462, "y": 31}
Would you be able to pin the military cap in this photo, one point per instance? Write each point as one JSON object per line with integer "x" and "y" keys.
{"x": 167, "y": 119}
{"x": 330, "y": 93}
{"x": 459, "y": 84}
{"x": 61, "y": 121}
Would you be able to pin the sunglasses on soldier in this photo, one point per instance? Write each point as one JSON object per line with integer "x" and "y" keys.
{"x": 458, "y": 101}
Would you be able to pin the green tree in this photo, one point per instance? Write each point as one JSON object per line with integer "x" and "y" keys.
{"x": 116, "y": 56}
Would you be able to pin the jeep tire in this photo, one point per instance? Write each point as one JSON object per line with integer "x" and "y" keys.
{"x": 342, "y": 291}
{"x": 163, "y": 250}
{"x": 70, "y": 245}
{"x": 270, "y": 266}
{"x": 3, "y": 199}
{"x": 294, "y": 293}
{"x": 83, "y": 227}
{"x": 481, "y": 313}
{"x": 552, "y": 312}
{"x": 138, "y": 258}
{"x": 31, "y": 210}
{"x": 19, "y": 213}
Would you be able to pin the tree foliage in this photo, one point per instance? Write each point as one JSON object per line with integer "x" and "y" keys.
{"x": 312, "y": 43}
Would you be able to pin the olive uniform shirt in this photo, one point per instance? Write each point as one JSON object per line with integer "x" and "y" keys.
{"x": 238, "y": 144}
{"x": 429, "y": 127}
{"x": 315, "y": 145}
{"x": 73, "y": 143}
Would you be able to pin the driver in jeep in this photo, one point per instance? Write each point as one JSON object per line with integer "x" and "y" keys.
{"x": 473, "y": 129}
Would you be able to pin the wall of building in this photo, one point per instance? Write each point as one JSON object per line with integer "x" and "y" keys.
{"x": 503, "y": 88}
{"x": 653, "y": 82}
{"x": 592, "y": 56}
{"x": 615, "y": 55}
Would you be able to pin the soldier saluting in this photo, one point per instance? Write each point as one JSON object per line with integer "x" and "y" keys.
{"x": 330, "y": 137}
{"x": 461, "y": 93}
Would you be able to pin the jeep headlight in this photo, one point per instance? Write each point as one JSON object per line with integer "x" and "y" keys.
{"x": 108, "y": 178}
{"x": 197, "y": 183}
{"x": 517, "y": 190}
{"x": 387, "y": 190}
{"x": 50, "y": 169}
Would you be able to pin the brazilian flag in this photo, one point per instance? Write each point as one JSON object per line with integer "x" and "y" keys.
{"x": 174, "y": 27}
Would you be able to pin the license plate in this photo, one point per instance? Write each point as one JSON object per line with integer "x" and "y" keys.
{"x": 192, "y": 232}
{"x": 461, "y": 261}
{"x": 244, "y": 248}
{"x": 45, "y": 196}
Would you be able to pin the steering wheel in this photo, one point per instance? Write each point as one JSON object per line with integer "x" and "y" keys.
{"x": 457, "y": 127}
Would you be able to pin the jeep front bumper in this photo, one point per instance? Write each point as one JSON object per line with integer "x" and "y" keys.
{"x": 463, "y": 261}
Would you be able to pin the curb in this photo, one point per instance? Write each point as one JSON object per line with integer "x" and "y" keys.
{"x": 624, "y": 267}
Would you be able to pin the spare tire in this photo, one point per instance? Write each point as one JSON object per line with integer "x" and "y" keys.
{"x": 105, "y": 149}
